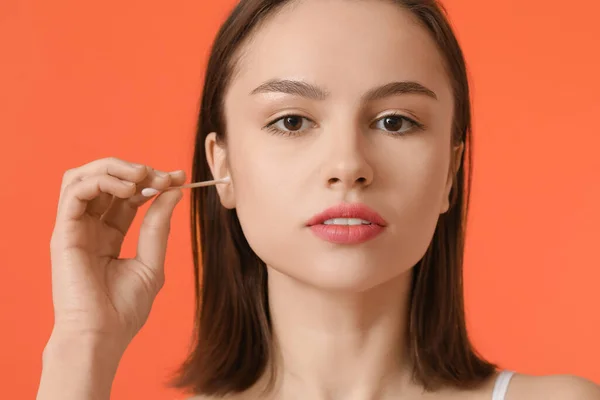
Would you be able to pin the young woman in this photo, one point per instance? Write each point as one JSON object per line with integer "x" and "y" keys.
{"x": 330, "y": 266}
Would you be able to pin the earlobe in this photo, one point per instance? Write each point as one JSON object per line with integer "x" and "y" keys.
{"x": 216, "y": 156}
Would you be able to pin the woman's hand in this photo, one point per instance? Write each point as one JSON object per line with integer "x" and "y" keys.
{"x": 96, "y": 294}
{"x": 100, "y": 300}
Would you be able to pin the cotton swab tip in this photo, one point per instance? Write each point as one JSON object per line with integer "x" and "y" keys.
{"x": 149, "y": 192}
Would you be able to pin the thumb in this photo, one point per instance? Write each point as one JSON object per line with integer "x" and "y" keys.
{"x": 154, "y": 232}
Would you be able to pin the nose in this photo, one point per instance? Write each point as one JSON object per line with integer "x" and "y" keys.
{"x": 346, "y": 165}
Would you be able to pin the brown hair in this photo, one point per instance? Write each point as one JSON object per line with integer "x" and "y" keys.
{"x": 232, "y": 346}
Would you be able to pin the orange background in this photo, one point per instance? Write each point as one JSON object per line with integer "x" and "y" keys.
{"x": 81, "y": 80}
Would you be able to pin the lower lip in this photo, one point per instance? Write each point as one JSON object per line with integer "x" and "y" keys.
{"x": 346, "y": 234}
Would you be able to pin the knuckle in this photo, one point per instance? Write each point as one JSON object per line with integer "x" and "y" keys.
{"x": 112, "y": 160}
{"x": 153, "y": 226}
{"x": 68, "y": 188}
{"x": 69, "y": 173}
{"x": 104, "y": 182}
{"x": 107, "y": 165}
{"x": 69, "y": 176}
{"x": 102, "y": 179}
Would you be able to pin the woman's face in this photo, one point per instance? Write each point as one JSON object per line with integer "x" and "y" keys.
{"x": 338, "y": 102}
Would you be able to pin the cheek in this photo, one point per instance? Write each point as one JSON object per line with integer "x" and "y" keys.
{"x": 263, "y": 197}
{"x": 261, "y": 174}
{"x": 426, "y": 183}
{"x": 416, "y": 197}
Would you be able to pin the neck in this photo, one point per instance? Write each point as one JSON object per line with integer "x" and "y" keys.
{"x": 331, "y": 345}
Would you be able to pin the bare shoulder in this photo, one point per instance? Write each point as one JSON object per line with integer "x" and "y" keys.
{"x": 552, "y": 387}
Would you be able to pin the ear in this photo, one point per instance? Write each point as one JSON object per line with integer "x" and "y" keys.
{"x": 457, "y": 154}
{"x": 216, "y": 155}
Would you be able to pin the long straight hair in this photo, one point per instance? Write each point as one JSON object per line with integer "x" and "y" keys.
{"x": 232, "y": 342}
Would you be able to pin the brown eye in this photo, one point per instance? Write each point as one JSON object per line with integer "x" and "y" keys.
{"x": 396, "y": 124}
{"x": 392, "y": 123}
{"x": 292, "y": 123}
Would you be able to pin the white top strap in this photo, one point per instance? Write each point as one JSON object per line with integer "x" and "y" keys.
{"x": 501, "y": 386}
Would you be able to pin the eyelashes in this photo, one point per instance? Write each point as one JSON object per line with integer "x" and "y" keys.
{"x": 394, "y": 124}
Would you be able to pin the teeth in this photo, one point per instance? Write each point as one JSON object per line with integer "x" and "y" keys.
{"x": 346, "y": 221}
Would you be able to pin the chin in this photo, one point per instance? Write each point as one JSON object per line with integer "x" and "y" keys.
{"x": 348, "y": 273}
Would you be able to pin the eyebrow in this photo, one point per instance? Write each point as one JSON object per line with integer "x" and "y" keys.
{"x": 310, "y": 91}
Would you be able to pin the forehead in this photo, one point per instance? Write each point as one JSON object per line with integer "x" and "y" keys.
{"x": 347, "y": 46}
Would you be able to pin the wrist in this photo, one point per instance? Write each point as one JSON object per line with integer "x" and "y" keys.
{"x": 67, "y": 346}
{"x": 65, "y": 342}
{"x": 78, "y": 367}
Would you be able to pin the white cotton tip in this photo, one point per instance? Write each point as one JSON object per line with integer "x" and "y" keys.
{"x": 227, "y": 179}
{"x": 149, "y": 192}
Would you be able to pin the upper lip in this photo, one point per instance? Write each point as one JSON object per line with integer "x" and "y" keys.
{"x": 348, "y": 210}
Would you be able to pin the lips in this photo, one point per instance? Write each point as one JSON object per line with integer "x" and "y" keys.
{"x": 340, "y": 224}
{"x": 348, "y": 210}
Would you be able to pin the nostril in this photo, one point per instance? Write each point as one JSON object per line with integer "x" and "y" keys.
{"x": 361, "y": 181}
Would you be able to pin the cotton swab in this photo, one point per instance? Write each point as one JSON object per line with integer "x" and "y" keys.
{"x": 149, "y": 192}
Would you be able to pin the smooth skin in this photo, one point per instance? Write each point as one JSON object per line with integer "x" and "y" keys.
{"x": 338, "y": 313}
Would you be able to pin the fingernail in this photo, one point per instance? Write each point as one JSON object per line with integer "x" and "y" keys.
{"x": 179, "y": 171}
{"x": 161, "y": 173}
{"x": 138, "y": 165}
{"x": 149, "y": 192}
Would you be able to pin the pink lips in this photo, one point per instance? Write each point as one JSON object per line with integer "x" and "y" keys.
{"x": 347, "y": 234}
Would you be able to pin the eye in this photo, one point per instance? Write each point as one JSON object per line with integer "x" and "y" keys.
{"x": 396, "y": 124}
{"x": 288, "y": 124}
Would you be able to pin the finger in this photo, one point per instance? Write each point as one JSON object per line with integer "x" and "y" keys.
{"x": 77, "y": 196}
{"x": 158, "y": 180}
{"x": 122, "y": 212}
{"x": 100, "y": 204}
{"x": 154, "y": 232}
{"x": 107, "y": 166}
{"x": 110, "y": 166}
